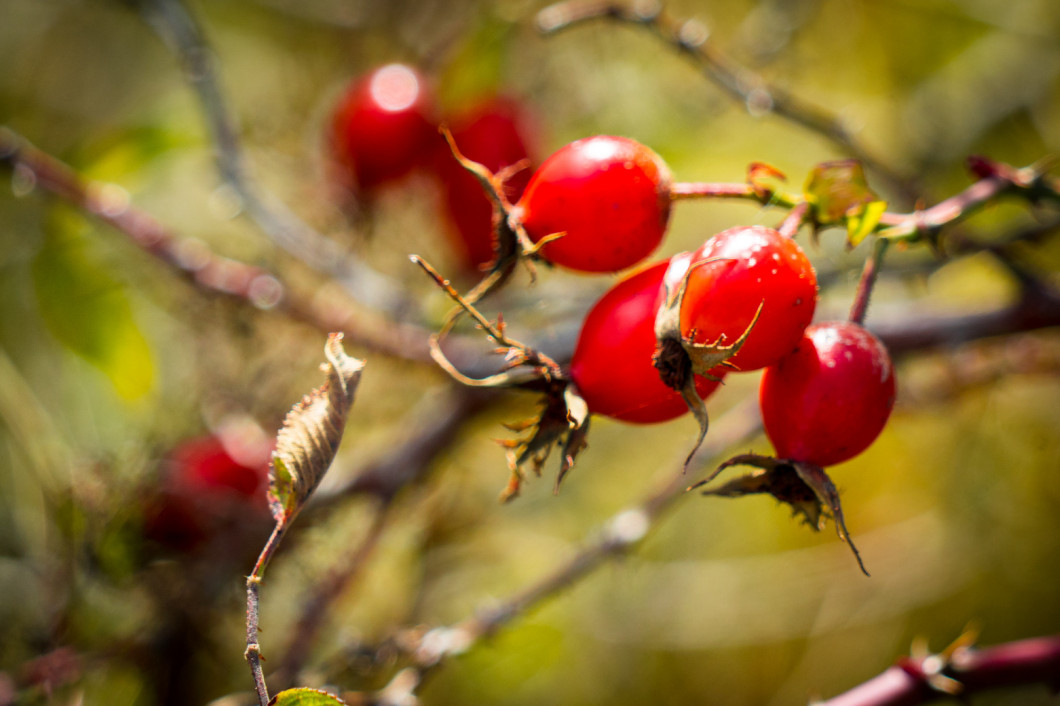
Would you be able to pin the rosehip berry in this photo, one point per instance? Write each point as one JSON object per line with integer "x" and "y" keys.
{"x": 494, "y": 134}
{"x": 612, "y": 363}
{"x": 829, "y": 399}
{"x": 744, "y": 268}
{"x": 382, "y": 128}
{"x": 609, "y": 196}
{"x": 204, "y": 490}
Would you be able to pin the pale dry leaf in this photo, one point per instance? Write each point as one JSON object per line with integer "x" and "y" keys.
{"x": 311, "y": 432}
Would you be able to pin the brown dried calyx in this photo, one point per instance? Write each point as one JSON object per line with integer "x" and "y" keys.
{"x": 564, "y": 418}
{"x": 804, "y": 487}
{"x": 679, "y": 358}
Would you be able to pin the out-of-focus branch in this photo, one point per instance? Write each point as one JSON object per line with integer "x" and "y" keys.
{"x": 1037, "y": 309}
{"x": 172, "y": 21}
{"x": 741, "y": 83}
{"x": 996, "y": 178}
{"x": 620, "y": 534}
{"x": 315, "y": 608}
{"x": 208, "y": 271}
{"x": 959, "y": 672}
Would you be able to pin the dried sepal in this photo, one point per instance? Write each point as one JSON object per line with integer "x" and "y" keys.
{"x": 511, "y": 244}
{"x": 806, "y": 488}
{"x": 762, "y": 178}
{"x": 563, "y": 422}
{"x": 679, "y": 358}
{"x": 309, "y": 438}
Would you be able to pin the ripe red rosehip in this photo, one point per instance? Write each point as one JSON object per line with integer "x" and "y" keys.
{"x": 493, "y": 133}
{"x": 746, "y": 267}
{"x": 382, "y": 127}
{"x": 829, "y": 399}
{"x": 612, "y": 363}
{"x": 609, "y": 195}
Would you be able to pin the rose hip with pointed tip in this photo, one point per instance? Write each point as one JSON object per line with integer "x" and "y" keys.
{"x": 612, "y": 362}
{"x": 745, "y": 267}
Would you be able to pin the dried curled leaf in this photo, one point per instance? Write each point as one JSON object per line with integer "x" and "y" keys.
{"x": 311, "y": 432}
{"x": 806, "y": 488}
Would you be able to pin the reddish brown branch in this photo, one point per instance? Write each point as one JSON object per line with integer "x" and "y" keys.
{"x": 210, "y": 272}
{"x": 967, "y": 671}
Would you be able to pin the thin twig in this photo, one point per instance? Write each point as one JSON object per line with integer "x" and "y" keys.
{"x": 208, "y": 271}
{"x": 253, "y": 651}
{"x": 175, "y": 25}
{"x": 868, "y": 281}
{"x": 315, "y": 608}
{"x": 616, "y": 537}
{"x": 741, "y": 83}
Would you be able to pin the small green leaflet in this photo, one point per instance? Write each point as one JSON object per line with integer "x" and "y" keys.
{"x": 303, "y": 696}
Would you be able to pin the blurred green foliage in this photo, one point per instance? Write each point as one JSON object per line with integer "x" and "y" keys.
{"x": 107, "y": 360}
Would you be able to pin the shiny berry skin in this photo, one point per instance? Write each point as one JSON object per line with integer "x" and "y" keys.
{"x": 610, "y": 195}
{"x": 382, "y": 128}
{"x": 494, "y": 133}
{"x": 612, "y": 363}
{"x": 752, "y": 265}
{"x": 829, "y": 399}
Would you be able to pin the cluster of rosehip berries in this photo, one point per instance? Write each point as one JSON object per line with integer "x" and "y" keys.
{"x": 385, "y": 127}
{"x": 668, "y": 333}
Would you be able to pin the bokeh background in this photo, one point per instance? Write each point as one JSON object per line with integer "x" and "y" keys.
{"x": 108, "y": 360}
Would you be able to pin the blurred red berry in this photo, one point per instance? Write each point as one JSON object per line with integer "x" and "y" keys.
{"x": 497, "y": 134}
{"x": 205, "y": 488}
{"x": 382, "y": 128}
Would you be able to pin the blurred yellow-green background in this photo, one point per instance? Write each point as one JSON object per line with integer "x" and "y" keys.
{"x": 108, "y": 360}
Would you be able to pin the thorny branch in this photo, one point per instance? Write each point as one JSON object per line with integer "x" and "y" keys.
{"x": 959, "y": 671}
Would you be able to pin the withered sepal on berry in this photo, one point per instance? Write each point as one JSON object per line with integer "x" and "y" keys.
{"x": 804, "y": 487}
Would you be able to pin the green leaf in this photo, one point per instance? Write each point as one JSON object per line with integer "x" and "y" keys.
{"x": 836, "y": 189}
{"x": 87, "y": 309}
{"x": 303, "y": 696}
{"x": 864, "y": 221}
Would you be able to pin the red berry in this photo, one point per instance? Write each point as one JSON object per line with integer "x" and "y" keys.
{"x": 612, "y": 363}
{"x": 383, "y": 127}
{"x": 205, "y": 465}
{"x": 205, "y": 490}
{"x": 609, "y": 195}
{"x": 493, "y": 133}
{"x": 829, "y": 399}
{"x": 746, "y": 267}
